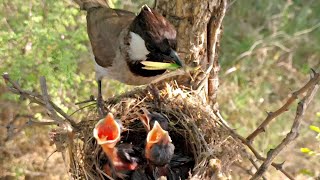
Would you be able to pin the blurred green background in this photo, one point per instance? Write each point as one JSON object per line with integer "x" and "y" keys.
{"x": 267, "y": 50}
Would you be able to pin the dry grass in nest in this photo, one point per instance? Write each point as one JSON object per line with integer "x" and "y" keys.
{"x": 194, "y": 129}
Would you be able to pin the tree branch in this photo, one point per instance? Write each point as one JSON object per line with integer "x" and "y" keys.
{"x": 311, "y": 88}
{"x": 42, "y": 100}
{"x": 271, "y": 115}
{"x": 46, "y": 100}
{"x": 255, "y": 164}
{"x": 278, "y": 166}
{"x": 292, "y": 135}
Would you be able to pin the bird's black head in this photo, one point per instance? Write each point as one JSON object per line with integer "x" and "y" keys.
{"x": 153, "y": 38}
{"x": 162, "y": 120}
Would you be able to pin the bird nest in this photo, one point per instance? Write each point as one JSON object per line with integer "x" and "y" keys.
{"x": 200, "y": 140}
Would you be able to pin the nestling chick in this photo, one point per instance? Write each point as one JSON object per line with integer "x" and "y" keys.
{"x": 159, "y": 148}
{"x": 107, "y": 133}
{"x": 148, "y": 119}
{"x": 159, "y": 151}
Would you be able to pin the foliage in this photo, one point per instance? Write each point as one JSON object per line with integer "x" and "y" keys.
{"x": 43, "y": 38}
{"x": 49, "y": 38}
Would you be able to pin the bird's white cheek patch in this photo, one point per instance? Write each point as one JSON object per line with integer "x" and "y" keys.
{"x": 137, "y": 50}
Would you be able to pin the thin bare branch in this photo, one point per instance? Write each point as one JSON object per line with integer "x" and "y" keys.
{"x": 33, "y": 122}
{"x": 62, "y": 113}
{"x": 279, "y": 34}
{"x": 256, "y": 165}
{"x": 46, "y": 100}
{"x": 42, "y": 100}
{"x": 307, "y": 31}
{"x": 271, "y": 115}
{"x": 278, "y": 166}
{"x": 292, "y": 135}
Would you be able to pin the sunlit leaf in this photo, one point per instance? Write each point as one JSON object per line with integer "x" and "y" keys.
{"x": 305, "y": 150}
{"x": 315, "y": 128}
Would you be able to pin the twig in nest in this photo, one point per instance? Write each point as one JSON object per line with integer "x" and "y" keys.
{"x": 271, "y": 115}
{"x": 214, "y": 30}
{"x": 293, "y": 134}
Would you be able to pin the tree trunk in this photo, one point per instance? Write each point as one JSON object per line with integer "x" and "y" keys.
{"x": 197, "y": 23}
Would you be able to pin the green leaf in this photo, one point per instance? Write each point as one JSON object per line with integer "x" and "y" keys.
{"x": 318, "y": 114}
{"x": 315, "y": 128}
{"x": 150, "y": 65}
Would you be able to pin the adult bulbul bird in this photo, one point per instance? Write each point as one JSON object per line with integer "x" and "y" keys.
{"x": 107, "y": 133}
{"x": 126, "y": 47}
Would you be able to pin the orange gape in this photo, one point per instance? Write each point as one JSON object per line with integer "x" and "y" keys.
{"x": 156, "y": 135}
{"x": 108, "y": 129}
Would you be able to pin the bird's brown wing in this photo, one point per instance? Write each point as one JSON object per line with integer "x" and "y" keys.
{"x": 104, "y": 26}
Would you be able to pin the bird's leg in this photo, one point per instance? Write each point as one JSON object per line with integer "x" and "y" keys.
{"x": 100, "y": 102}
{"x": 156, "y": 94}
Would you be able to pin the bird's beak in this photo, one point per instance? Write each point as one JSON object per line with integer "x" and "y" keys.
{"x": 170, "y": 62}
{"x": 174, "y": 57}
{"x": 107, "y": 132}
{"x": 144, "y": 118}
{"x": 157, "y": 134}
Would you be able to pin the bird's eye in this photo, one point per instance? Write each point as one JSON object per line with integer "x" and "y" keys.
{"x": 150, "y": 47}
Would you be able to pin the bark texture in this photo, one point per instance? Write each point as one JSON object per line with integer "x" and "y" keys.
{"x": 192, "y": 18}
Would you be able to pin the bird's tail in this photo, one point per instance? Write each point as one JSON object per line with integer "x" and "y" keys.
{"x": 88, "y": 4}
